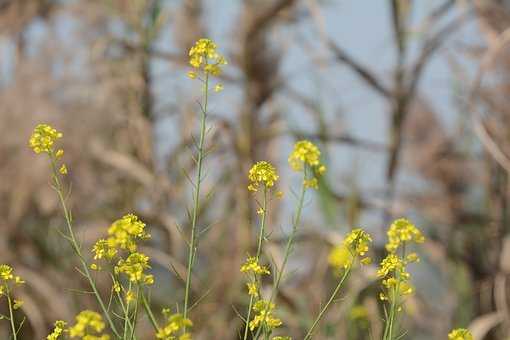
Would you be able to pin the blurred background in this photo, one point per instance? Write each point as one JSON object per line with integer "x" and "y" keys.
{"x": 408, "y": 100}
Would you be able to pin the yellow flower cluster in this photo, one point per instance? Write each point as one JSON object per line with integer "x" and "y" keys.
{"x": 57, "y": 331}
{"x": 264, "y": 316}
{"x": 262, "y": 173}
{"x": 204, "y": 57}
{"x": 253, "y": 289}
{"x": 307, "y": 155}
{"x": 355, "y": 244}
{"x": 125, "y": 232}
{"x": 7, "y": 275}
{"x": 134, "y": 267}
{"x": 88, "y": 326}
{"x": 460, "y": 334}
{"x": 282, "y": 338}
{"x": 402, "y": 231}
{"x": 43, "y": 138}
{"x": 392, "y": 271}
{"x": 175, "y": 323}
{"x": 252, "y": 266}
{"x": 124, "y": 235}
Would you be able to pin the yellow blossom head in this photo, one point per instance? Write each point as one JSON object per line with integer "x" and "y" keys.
{"x": 306, "y": 155}
{"x": 460, "y": 334}
{"x": 401, "y": 231}
{"x": 7, "y": 276}
{"x": 57, "y": 331}
{"x": 43, "y": 138}
{"x": 125, "y": 232}
{"x": 175, "y": 324}
{"x": 205, "y": 58}
{"x": 262, "y": 173}
{"x": 134, "y": 267}
{"x": 88, "y": 325}
{"x": 252, "y": 266}
{"x": 264, "y": 316}
{"x": 358, "y": 241}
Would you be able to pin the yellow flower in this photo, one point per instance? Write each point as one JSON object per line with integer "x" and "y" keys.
{"x": 130, "y": 296}
{"x": 252, "y": 266}
{"x": 104, "y": 248}
{"x": 204, "y": 57}
{"x": 126, "y": 231}
{"x": 7, "y": 276}
{"x": 57, "y": 331}
{"x": 253, "y": 289}
{"x": 262, "y": 173}
{"x": 282, "y": 338}
{"x": 6, "y": 272}
{"x": 340, "y": 257}
{"x": 17, "y": 304}
{"x": 392, "y": 263}
{"x": 192, "y": 75}
{"x": 59, "y": 153}
{"x": 401, "y": 231}
{"x": 175, "y": 322}
{"x": 88, "y": 325}
{"x": 460, "y": 334}
{"x": 355, "y": 244}
{"x": 305, "y": 153}
{"x": 218, "y": 88}
{"x": 134, "y": 267}
{"x": 357, "y": 241}
{"x": 43, "y": 138}
{"x": 264, "y": 317}
{"x": 63, "y": 169}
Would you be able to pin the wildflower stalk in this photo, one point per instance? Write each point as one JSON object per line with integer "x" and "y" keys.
{"x": 326, "y": 306}
{"x": 196, "y": 198}
{"x": 148, "y": 310}
{"x": 72, "y": 239}
{"x": 390, "y": 323}
{"x": 11, "y": 314}
{"x": 257, "y": 256}
{"x": 135, "y": 313}
{"x": 288, "y": 248}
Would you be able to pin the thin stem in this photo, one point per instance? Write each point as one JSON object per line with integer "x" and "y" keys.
{"x": 259, "y": 251}
{"x": 126, "y": 314}
{"x": 74, "y": 243}
{"x": 148, "y": 310}
{"x": 11, "y": 314}
{"x": 295, "y": 224}
{"x": 196, "y": 198}
{"x": 135, "y": 317}
{"x": 326, "y": 306}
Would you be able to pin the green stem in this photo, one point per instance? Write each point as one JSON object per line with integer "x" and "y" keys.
{"x": 326, "y": 306}
{"x": 11, "y": 314}
{"x": 295, "y": 224}
{"x": 148, "y": 310}
{"x": 126, "y": 314}
{"x": 198, "y": 180}
{"x": 76, "y": 247}
{"x": 259, "y": 251}
{"x": 135, "y": 317}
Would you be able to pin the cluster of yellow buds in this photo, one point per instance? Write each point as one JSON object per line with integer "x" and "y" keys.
{"x": 252, "y": 266}
{"x": 392, "y": 271}
{"x": 206, "y": 60}
{"x": 124, "y": 235}
{"x": 264, "y": 316}
{"x": 89, "y": 325}
{"x": 355, "y": 245}
{"x": 306, "y": 155}
{"x": 42, "y": 141}
{"x": 460, "y": 334}
{"x": 175, "y": 324}
{"x": 7, "y": 281}
{"x": 60, "y": 328}
{"x": 262, "y": 173}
